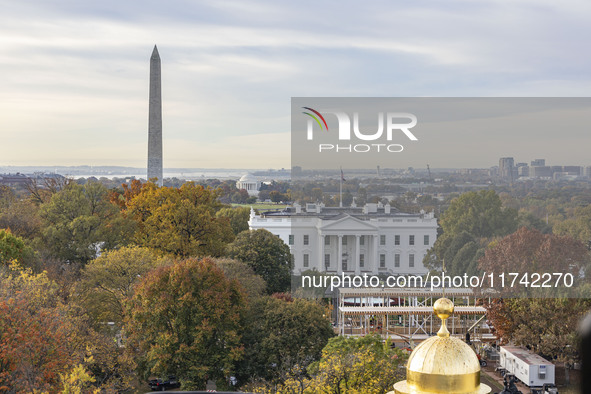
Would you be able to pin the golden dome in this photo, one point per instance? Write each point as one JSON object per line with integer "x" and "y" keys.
{"x": 442, "y": 364}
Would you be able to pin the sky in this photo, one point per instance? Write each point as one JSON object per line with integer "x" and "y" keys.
{"x": 74, "y": 74}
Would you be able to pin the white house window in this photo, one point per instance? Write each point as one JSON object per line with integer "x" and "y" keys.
{"x": 411, "y": 239}
{"x": 362, "y": 240}
{"x": 291, "y": 239}
{"x": 327, "y": 240}
{"x": 306, "y": 260}
{"x": 382, "y": 261}
{"x": 362, "y": 260}
{"x": 382, "y": 240}
{"x": 306, "y": 239}
{"x": 411, "y": 260}
{"x": 397, "y": 240}
{"x": 426, "y": 240}
{"x": 397, "y": 260}
{"x": 327, "y": 260}
{"x": 344, "y": 240}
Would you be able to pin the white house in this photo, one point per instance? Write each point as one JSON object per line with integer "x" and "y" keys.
{"x": 372, "y": 239}
{"x": 249, "y": 183}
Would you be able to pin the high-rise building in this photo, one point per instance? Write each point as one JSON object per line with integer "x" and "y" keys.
{"x": 506, "y": 168}
{"x": 155, "y": 121}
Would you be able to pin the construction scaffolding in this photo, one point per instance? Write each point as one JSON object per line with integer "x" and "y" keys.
{"x": 405, "y": 316}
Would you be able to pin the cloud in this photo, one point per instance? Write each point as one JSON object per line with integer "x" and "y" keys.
{"x": 76, "y": 73}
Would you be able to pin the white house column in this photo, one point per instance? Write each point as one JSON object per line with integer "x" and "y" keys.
{"x": 340, "y": 255}
{"x": 376, "y": 256}
{"x": 321, "y": 267}
{"x": 357, "y": 251}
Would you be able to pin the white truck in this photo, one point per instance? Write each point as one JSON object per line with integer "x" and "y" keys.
{"x": 533, "y": 370}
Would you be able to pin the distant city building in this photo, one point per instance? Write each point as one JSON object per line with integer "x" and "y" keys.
{"x": 25, "y": 179}
{"x": 507, "y": 169}
{"x": 249, "y": 183}
{"x": 523, "y": 171}
{"x": 372, "y": 239}
{"x": 540, "y": 172}
{"x": 538, "y": 163}
{"x": 572, "y": 170}
{"x": 587, "y": 172}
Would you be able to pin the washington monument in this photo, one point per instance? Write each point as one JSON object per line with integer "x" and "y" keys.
{"x": 155, "y": 120}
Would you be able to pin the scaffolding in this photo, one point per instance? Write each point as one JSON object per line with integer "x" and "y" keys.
{"x": 405, "y": 316}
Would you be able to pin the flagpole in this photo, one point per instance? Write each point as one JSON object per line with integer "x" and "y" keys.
{"x": 341, "y": 190}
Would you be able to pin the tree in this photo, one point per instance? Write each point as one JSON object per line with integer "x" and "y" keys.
{"x": 184, "y": 319}
{"x": 179, "y": 221}
{"x": 22, "y": 218}
{"x": 41, "y": 192}
{"x": 238, "y": 217}
{"x": 12, "y": 248}
{"x": 253, "y": 284}
{"x": 547, "y": 326}
{"x": 529, "y": 220}
{"x": 276, "y": 196}
{"x": 79, "y": 221}
{"x": 352, "y": 365}
{"x": 578, "y": 227}
{"x": 39, "y": 338}
{"x": 7, "y": 197}
{"x": 240, "y": 196}
{"x": 529, "y": 251}
{"x": 268, "y": 256}
{"x": 42, "y": 337}
{"x": 107, "y": 282}
{"x": 472, "y": 217}
{"x": 282, "y": 337}
{"x": 481, "y": 214}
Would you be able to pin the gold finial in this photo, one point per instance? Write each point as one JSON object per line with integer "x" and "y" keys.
{"x": 443, "y": 308}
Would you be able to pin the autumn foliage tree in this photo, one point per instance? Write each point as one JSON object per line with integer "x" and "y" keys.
{"x": 39, "y": 335}
{"x": 529, "y": 251}
{"x": 185, "y": 319}
{"x": 179, "y": 221}
{"x": 79, "y": 220}
{"x": 365, "y": 365}
{"x": 282, "y": 337}
{"x": 12, "y": 248}
{"x": 545, "y": 322}
{"x": 254, "y": 285}
{"x": 107, "y": 282}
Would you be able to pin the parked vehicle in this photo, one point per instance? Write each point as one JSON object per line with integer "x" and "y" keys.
{"x": 533, "y": 370}
{"x": 545, "y": 389}
{"x": 164, "y": 384}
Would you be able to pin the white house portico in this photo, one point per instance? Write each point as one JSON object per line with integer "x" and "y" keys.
{"x": 372, "y": 239}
